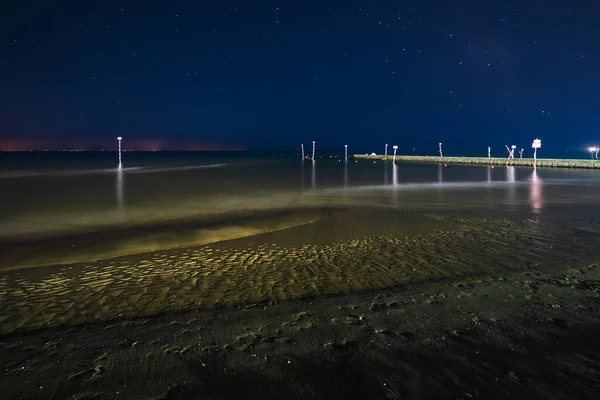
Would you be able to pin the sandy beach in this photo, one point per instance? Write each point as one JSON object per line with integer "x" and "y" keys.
{"x": 457, "y": 307}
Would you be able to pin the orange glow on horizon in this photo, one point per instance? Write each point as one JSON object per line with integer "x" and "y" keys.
{"x": 128, "y": 145}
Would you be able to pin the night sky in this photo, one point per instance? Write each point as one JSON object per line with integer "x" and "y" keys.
{"x": 274, "y": 74}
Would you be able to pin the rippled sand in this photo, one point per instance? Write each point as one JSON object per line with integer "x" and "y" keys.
{"x": 247, "y": 272}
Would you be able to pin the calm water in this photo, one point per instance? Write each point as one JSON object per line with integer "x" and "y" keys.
{"x": 56, "y": 193}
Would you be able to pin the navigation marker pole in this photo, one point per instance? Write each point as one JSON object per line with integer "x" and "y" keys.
{"x": 440, "y": 150}
{"x": 395, "y": 148}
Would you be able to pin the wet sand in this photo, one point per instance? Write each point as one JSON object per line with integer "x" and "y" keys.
{"x": 427, "y": 305}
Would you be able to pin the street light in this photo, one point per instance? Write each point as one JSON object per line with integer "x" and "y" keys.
{"x": 395, "y": 148}
{"x": 346, "y": 151}
{"x": 537, "y": 143}
{"x": 385, "y": 154}
{"x": 313, "y": 153}
{"x": 440, "y": 150}
{"x": 119, "y": 139}
{"x": 594, "y": 151}
{"x": 302, "y": 150}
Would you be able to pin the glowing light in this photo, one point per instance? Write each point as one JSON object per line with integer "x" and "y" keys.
{"x": 395, "y": 148}
{"x": 313, "y": 151}
{"x": 385, "y": 153}
{"x": 302, "y": 150}
{"x": 346, "y": 151}
{"x": 440, "y": 149}
{"x": 537, "y": 143}
{"x": 594, "y": 150}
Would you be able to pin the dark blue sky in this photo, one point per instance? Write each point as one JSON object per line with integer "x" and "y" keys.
{"x": 274, "y": 74}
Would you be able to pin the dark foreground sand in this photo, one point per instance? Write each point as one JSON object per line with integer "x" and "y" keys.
{"x": 471, "y": 308}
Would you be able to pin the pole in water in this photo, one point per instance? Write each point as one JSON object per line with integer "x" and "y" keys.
{"x": 119, "y": 139}
{"x": 313, "y": 152}
{"x": 346, "y": 151}
{"x": 302, "y": 149}
{"x": 489, "y": 152}
{"x": 395, "y": 148}
{"x": 440, "y": 150}
{"x": 385, "y": 154}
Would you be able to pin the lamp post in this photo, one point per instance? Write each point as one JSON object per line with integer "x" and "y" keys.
{"x": 345, "y": 151}
{"x": 489, "y": 152}
{"x": 440, "y": 149}
{"x": 537, "y": 143}
{"x": 302, "y": 150}
{"x": 385, "y": 154}
{"x": 521, "y": 153}
{"x": 119, "y": 139}
{"x": 395, "y": 148}
{"x": 594, "y": 151}
{"x": 313, "y": 152}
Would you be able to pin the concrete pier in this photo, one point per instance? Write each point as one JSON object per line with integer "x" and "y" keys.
{"x": 525, "y": 162}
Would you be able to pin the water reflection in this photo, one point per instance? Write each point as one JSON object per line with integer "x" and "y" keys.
{"x": 119, "y": 188}
{"x": 395, "y": 183}
{"x": 302, "y": 174}
{"x": 313, "y": 176}
{"x": 385, "y": 173}
{"x": 440, "y": 173}
{"x": 510, "y": 179}
{"x": 489, "y": 175}
{"x": 535, "y": 193}
{"x": 346, "y": 173}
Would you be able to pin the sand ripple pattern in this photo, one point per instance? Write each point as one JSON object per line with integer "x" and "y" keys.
{"x": 208, "y": 276}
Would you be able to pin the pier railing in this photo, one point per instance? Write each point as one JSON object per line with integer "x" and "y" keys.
{"x": 525, "y": 162}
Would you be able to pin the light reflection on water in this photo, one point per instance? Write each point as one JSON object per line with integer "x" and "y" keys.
{"x": 535, "y": 193}
{"x": 130, "y": 196}
{"x": 346, "y": 173}
{"x": 313, "y": 176}
{"x": 120, "y": 189}
{"x": 512, "y": 185}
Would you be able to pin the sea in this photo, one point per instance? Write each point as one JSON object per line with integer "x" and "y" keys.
{"x": 61, "y": 199}
{"x": 58, "y": 192}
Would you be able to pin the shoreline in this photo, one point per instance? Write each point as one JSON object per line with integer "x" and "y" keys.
{"x": 524, "y": 162}
{"x": 441, "y": 313}
{"x": 529, "y": 331}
